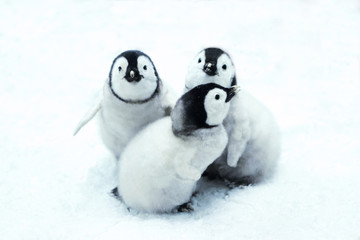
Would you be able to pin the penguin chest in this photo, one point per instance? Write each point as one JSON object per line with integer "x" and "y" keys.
{"x": 210, "y": 147}
{"x": 147, "y": 177}
{"x": 120, "y": 121}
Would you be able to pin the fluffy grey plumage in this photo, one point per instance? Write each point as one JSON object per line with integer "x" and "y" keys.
{"x": 133, "y": 96}
{"x": 254, "y": 137}
{"x": 159, "y": 168}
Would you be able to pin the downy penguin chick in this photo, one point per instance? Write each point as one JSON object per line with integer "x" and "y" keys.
{"x": 159, "y": 168}
{"x": 133, "y": 96}
{"x": 254, "y": 137}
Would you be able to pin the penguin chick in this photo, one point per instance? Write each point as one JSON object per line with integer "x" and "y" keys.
{"x": 133, "y": 96}
{"x": 159, "y": 168}
{"x": 254, "y": 139}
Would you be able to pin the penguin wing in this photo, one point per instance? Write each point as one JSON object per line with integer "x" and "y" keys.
{"x": 168, "y": 98}
{"x": 239, "y": 134}
{"x": 237, "y": 143}
{"x": 89, "y": 115}
{"x": 183, "y": 166}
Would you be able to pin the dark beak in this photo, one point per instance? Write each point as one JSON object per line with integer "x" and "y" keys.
{"x": 210, "y": 68}
{"x": 232, "y": 92}
{"x": 133, "y": 75}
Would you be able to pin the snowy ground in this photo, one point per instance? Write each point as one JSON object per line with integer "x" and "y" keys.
{"x": 302, "y": 58}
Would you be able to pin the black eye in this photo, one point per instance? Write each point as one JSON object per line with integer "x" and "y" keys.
{"x": 224, "y": 66}
{"x": 145, "y": 67}
{"x": 217, "y": 96}
{"x": 199, "y": 61}
{"x": 119, "y": 68}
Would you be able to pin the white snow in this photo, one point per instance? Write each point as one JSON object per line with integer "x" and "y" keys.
{"x": 302, "y": 58}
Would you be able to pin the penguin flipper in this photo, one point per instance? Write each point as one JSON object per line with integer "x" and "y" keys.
{"x": 89, "y": 115}
{"x": 238, "y": 140}
{"x": 234, "y": 152}
{"x": 183, "y": 166}
{"x": 238, "y": 136}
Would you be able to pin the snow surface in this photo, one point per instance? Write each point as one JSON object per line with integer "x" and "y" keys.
{"x": 302, "y": 58}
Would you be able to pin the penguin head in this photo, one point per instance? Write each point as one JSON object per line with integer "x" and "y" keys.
{"x": 211, "y": 65}
{"x": 204, "y": 106}
{"x": 133, "y": 77}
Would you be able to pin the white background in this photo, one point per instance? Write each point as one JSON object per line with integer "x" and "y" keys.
{"x": 300, "y": 57}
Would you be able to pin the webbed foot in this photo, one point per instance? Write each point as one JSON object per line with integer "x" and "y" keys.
{"x": 115, "y": 193}
{"x": 241, "y": 183}
{"x": 186, "y": 207}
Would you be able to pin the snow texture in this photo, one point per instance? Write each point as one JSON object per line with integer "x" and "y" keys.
{"x": 301, "y": 58}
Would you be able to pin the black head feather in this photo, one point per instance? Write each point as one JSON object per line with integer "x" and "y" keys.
{"x": 189, "y": 112}
{"x": 132, "y": 56}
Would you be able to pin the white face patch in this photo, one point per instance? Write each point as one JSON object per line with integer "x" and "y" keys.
{"x": 119, "y": 68}
{"x": 134, "y": 91}
{"x": 146, "y": 69}
{"x": 196, "y": 76}
{"x": 215, "y": 106}
{"x": 226, "y": 71}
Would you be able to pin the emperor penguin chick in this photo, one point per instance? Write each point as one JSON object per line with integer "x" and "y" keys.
{"x": 254, "y": 137}
{"x": 159, "y": 168}
{"x": 133, "y": 96}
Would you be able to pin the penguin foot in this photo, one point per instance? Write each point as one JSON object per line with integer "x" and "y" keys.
{"x": 210, "y": 176}
{"x": 115, "y": 193}
{"x": 186, "y": 207}
{"x": 241, "y": 183}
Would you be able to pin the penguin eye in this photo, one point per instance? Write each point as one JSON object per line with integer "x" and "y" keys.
{"x": 145, "y": 67}
{"x": 224, "y": 66}
{"x": 119, "y": 68}
{"x": 199, "y": 61}
{"x": 217, "y": 96}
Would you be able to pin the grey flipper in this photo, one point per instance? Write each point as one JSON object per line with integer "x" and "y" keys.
{"x": 89, "y": 115}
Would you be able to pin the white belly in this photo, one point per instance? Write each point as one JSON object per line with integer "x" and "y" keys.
{"x": 148, "y": 180}
{"x": 120, "y": 121}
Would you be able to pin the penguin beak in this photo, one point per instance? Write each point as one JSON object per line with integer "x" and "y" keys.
{"x": 133, "y": 75}
{"x": 232, "y": 92}
{"x": 210, "y": 68}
